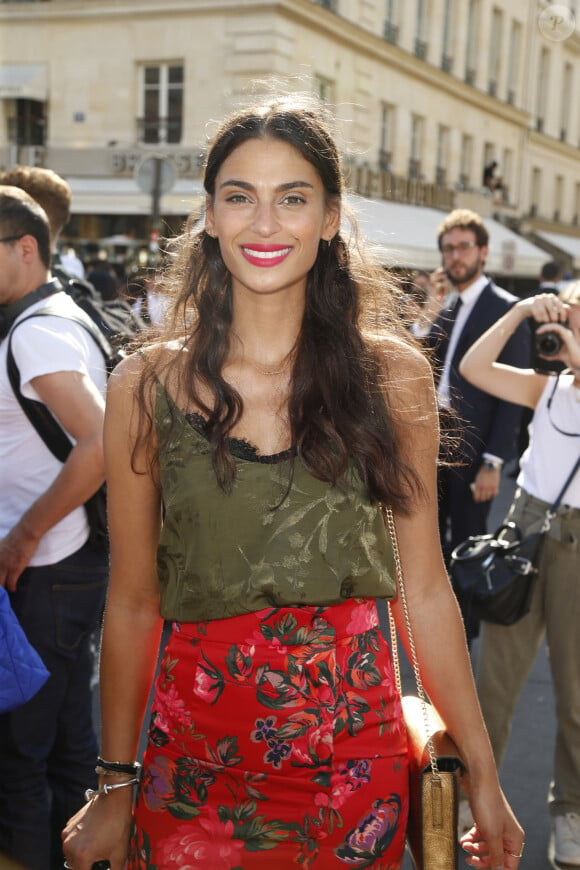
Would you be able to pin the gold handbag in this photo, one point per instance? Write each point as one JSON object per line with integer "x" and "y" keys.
{"x": 434, "y": 763}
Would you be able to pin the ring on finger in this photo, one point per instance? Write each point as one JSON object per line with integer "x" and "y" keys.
{"x": 516, "y": 854}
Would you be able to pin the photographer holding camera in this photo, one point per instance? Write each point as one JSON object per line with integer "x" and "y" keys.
{"x": 507, "y": 652}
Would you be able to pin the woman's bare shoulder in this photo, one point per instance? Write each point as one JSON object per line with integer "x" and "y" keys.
{"x": 403, "y": 359}
{"x": 154, "y": 358}
{"x": 407, "y": 381}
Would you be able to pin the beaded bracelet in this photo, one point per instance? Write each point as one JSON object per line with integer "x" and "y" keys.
{"x": 105, "y": 789}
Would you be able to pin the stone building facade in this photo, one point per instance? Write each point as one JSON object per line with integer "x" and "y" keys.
{"x": 426, "y": 94}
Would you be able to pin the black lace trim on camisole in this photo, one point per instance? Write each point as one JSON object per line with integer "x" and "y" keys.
{"x": 238, "y": 447}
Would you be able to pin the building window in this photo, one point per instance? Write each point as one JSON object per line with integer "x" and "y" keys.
{"x": 558, "y": 198}
{"x": 327, "y": 4}
{"x": 466, "y": 164}
{"x": 576, "y": 217}
{"x": 421, "y": 30}
{"x": 417, "y": 130}
{"x": 161, "y": 118}
{"x": 488, "y": 153}
{"x": 566, "y": 104}
{"x": 542, "y": 89}
{"x": 387, "y": 137}
{"x": 535, "y": 190}
{"x": 514, "y": 61}
{"x": 471, "y": 41}
{"x": 505, "y": 174}
{"x": 447, "y": 41}
{"x": 324, "y": 89}
{"x": 27, "y": 126}
{"x": 490, "y": 172}
{"x": 392, "y": 22}
{"x": 442, "y": 155}
{"x": 495, "y": 52}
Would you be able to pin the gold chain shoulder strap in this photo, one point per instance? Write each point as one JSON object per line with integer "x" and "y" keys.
{"x": 390, "y": 522}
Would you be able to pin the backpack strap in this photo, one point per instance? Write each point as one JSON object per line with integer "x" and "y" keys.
{"x": 37, "y": 413}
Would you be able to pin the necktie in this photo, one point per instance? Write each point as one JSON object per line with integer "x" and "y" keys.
{"x": 452, "y": 317}
{"x": 446, "y": 349}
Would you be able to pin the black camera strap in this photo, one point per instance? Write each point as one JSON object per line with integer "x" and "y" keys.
{"x": 549, "y": 407}
{"x": 552, "y": 510}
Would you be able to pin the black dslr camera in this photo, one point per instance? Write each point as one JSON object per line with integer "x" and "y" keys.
{"x": 546, "y": 346}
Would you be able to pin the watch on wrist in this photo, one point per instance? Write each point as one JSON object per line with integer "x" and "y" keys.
{"x": 491, "y": 465}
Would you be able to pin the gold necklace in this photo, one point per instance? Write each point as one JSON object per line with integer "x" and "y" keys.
{"x": 270, "y": 372}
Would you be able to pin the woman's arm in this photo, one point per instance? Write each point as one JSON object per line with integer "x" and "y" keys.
{"x": 435, "y": 618}
{"x": 479, "y": 366}
{"x": 132, "y": 625}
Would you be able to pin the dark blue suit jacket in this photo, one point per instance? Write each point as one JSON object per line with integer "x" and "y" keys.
{"x": 487, "y": 424}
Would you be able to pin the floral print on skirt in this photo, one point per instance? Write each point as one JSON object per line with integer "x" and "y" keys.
{"x": 276, "y": 741}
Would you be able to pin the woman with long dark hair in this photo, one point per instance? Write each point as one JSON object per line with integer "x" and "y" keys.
{"x": 249, "y": 457}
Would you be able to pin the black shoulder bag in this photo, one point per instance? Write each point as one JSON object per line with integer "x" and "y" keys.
{"x": 49, "y": 429}
{"x": 493, "y": 575}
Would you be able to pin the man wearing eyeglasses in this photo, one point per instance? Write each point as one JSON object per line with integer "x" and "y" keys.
{"x": 55, "y": 575}
{"x": 486, "y": 427}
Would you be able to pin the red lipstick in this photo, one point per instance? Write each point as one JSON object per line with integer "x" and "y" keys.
{"x": 265, "y": 255}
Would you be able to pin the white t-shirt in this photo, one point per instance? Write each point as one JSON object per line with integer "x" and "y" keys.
{"x": 550, "y": 455}
{"x": 41, "y": 346}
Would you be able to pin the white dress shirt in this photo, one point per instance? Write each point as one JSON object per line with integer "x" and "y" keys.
{"x": 469, "y": 297}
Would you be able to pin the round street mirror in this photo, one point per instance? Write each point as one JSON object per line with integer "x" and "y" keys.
{"x": 145, "y": 175}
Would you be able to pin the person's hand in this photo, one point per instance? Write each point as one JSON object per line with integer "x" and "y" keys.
{"x": 99, "y": 831}
{"x": 440, "y": 285}
{"x": 16, "y": 551}
{"x": 496, "y": 840}
{"x": 548, "y": 308}
{"x": 486, "y": 484}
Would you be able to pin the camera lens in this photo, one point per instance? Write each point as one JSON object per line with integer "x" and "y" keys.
{"x": 548, "y": 343}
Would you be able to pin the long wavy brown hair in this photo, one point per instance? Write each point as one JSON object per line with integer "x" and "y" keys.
{"x": 337, "y": 407}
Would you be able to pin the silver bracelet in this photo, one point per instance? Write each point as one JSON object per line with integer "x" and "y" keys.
{"x": 105, "y": 789}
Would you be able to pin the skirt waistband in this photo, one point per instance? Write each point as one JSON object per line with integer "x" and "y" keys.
{"x": 290, "y": 626}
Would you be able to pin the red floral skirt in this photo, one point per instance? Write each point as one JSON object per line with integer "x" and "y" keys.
{"x": 276, "y": 740}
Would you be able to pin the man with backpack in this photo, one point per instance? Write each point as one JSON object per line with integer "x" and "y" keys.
{"x": 54, "y": 568}
{"x": 114, "y": 317}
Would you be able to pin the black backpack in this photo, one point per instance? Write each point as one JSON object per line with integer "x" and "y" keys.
{"x": 114, "y": 317}
{"x": 48, "y": 428}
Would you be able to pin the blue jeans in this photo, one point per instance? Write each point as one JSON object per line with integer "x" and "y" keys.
{"x": 48, "y": 746}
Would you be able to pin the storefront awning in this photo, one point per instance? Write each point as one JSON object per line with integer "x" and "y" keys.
{"x": 122, "y": 196}
{"x": 406, "y": 236}
{"x": 23, "y": 81}
{"x": 569, "y": 245}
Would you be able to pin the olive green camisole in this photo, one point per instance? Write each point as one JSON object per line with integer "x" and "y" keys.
{"x": 223, "y": 555}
